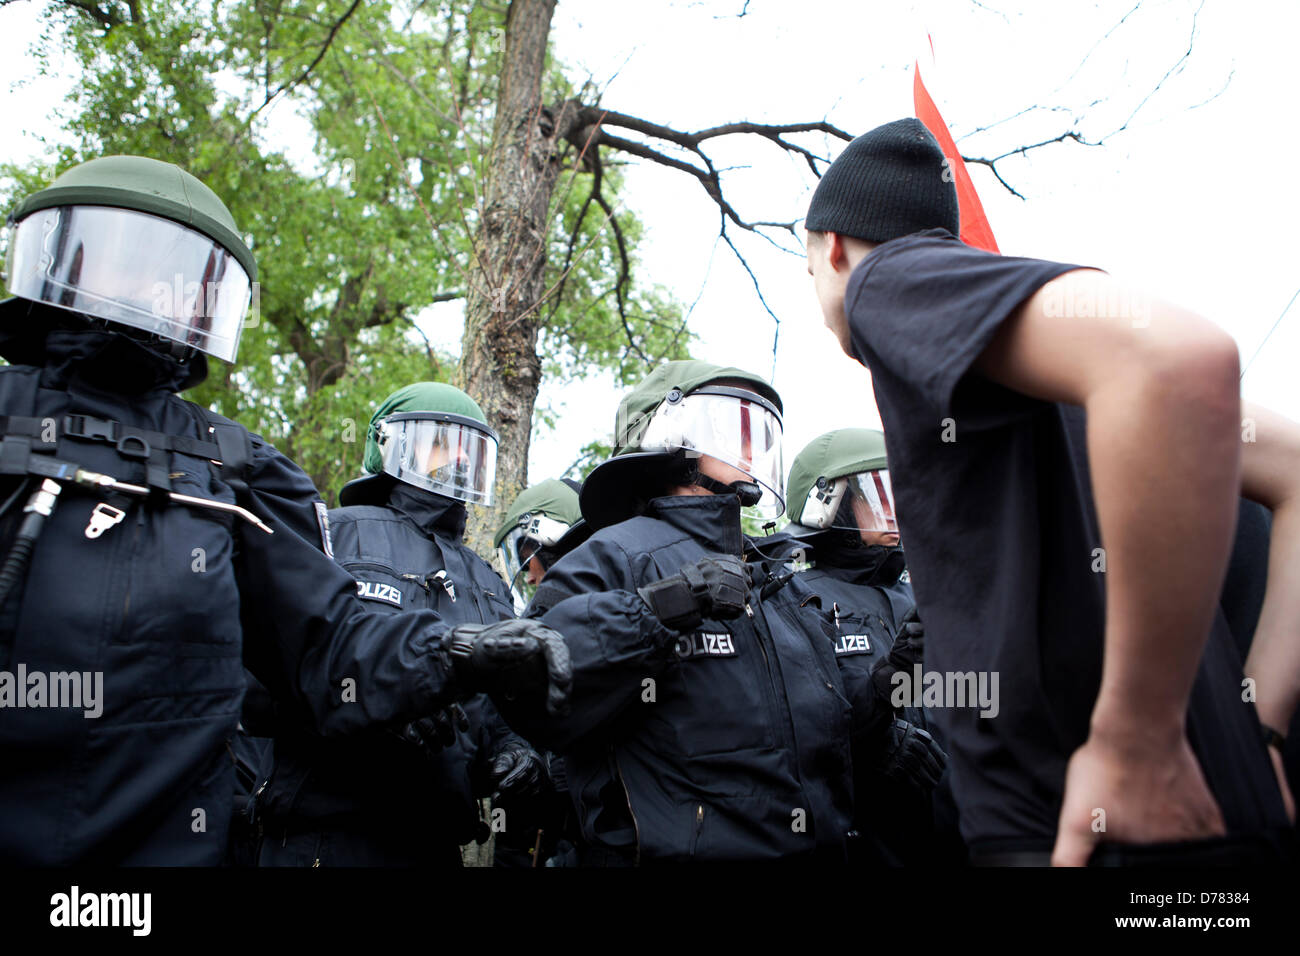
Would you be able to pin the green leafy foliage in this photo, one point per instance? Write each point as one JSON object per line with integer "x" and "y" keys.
{"x": 349, "y": 142}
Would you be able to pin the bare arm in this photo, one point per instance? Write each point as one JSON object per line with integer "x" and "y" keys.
{"x": 1162, "y": 400}
{"x": 1271, "y": 475}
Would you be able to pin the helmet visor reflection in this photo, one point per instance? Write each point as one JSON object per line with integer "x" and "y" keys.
{"x": 870, "y": 502}
{"x": 448, "y": 454}
{"x": 129, "y": 267}
{"x": 744, "y": 432}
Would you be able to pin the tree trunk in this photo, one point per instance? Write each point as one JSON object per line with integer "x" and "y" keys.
{"x": 499, "y": 363}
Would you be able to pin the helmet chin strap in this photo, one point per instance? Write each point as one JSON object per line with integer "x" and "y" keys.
{"x": 158, "y": 344}
{"x": 748, "y": 492}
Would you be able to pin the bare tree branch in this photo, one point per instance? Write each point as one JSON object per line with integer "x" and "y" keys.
{"x": 329, "y": 38}
{"x": 573, "y": 239}
{"x": 1177, "y": 67}
{"x": 1021, "y": 150}
{"x": 691, "y": 141}
{"x": 624, "y": 271}
{"x": 757, "y": 290}
{"x": 743, "y": 10}
{"x": 428, "y": 350}
{"x": 1074, "y": 134}
{"x": 991, "y": 10}
{"x": 708, "y": 178}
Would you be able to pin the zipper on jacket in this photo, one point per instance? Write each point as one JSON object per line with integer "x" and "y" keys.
{"x": 419, "y": 579}
{"x": 373, "y": 566}
{"x": 699, "y": 828}
{"x": 785, "y": 720}
{"x": 627, "y": 797}
{"x": 133, "y": 548}
{"x": 478, "y": 606}
{"x": 821, "y": 665}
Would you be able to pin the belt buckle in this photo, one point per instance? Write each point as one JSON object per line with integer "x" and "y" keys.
{"x": 84, "y": 426}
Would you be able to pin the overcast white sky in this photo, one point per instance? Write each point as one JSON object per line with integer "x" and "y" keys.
{"x": 1196, "y": 202}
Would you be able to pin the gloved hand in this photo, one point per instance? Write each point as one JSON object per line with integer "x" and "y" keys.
{"x": 517, "y": 772}
{"x": 907, "y": 651}
{"x": 434, "y": 733}
{"x": 714, "y": 587}
{"x": 512, "y": 658}
{"x": 912, "y": 756}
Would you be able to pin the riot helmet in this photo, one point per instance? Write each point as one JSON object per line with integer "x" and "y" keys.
{"x": 433, "y": 436}
{"x": 841, "y": 480}
{"x": 680, "y": 414}
{"x": 138, "y": 243}
{"x": 542, "y": 525}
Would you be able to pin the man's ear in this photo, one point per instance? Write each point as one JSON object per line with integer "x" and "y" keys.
{"x": 836, "y": 254}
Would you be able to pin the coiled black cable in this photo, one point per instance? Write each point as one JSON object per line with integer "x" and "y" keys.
{"x": 39, "y": 507}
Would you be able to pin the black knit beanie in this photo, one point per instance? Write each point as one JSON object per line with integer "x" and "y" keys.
{"x": 887, "y": 183}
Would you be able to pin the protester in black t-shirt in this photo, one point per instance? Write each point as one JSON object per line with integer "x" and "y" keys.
{"x": 1068, "y": 456}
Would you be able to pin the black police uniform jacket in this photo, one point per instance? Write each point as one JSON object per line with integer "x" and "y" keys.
{"x": 728, "y": 743}
{"x": 164, "y": 606}
{"x": 863, "y": 602}
{"x": 405, "y": 552}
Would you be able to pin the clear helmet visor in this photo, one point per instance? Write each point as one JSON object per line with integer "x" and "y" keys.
{"x": 522, "y": 553}
{"x": 868, "y": 503}
{"x": 447, "y": 454}
{"x": 132, "y": 268}
{"x": 741, "y": 432}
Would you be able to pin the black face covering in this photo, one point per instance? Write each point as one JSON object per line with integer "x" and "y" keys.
{"x": 105, "y": 355}
{"x": 875, "y": 563}
{"x": 886, "y": 561}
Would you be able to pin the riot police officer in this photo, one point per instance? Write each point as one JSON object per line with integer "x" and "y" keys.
{"x": 841, "y": 510}
{"x": 409, "y": 797}
{"x": 541, "y": 526}
{"x": 710, "y": 721}
{"x": 151, "y": 545}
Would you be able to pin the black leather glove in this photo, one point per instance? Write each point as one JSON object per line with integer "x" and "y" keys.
{"x": 435, "y": 733}
{"x": 912, "y": 756}
{"x": 513, "y": 659}
{"x": 714, "y": 587}
{"x": 518, "y": 772}
{"x": 907, "y": 651}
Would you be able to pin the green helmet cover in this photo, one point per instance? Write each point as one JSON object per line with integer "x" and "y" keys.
{"x": 638, "y": 406}
{"x": 845, "y": 451}
{"x": 149, "y": 186}
{"x": 418, "y": 397}
{"x": 551, "y": 497}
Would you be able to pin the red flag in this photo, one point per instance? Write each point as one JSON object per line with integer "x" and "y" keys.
{"x": 975, "y": 228}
